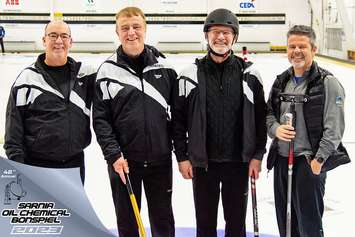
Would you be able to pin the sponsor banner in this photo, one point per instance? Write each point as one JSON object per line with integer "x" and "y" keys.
{"x": 160, "y": 19}
{"x": 168, "y": 6}
{"x": 38, "y": 201}
{"x": 247, "y": 6}
{"x": 11, "y": 5}
{"x": 91, "y": 6}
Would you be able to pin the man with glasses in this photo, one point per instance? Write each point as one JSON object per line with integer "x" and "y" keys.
{"x": 219, "y": 127}
{"x": 48, "y": 112}
{"x": 132, "y": 125}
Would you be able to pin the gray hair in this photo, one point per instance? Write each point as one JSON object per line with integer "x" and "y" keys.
{"x": 305, "y": 31}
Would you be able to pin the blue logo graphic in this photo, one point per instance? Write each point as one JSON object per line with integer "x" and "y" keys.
{"x": 339, "y": 100}
{"x": 246, "y": 5}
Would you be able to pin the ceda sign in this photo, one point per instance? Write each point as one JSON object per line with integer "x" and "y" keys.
{"x": 246, "y": 5}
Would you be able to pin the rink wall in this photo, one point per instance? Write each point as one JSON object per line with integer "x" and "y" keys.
{"x": 173, "y": 25}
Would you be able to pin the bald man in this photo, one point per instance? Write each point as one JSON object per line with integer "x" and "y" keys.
{"x": 48, "y": 111}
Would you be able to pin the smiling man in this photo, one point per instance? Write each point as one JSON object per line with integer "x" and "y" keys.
{"x": 48, "y": 112}
{"x": 132, "y": 125}
{"x": 317, "y": 133}
{"x": 219, "y": 127}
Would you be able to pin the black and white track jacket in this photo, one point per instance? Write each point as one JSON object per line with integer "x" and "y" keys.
{"x": 189, "y": 112}
{"x": 131, "y": 112}
{"x": 40, "y": 123}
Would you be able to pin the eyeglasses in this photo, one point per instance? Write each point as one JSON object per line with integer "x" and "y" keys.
{"x": 54, "y": 36}
{"x": 225, "y": 33}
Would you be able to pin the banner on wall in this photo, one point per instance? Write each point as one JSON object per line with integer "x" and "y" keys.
{"x": 91, "y": 6}
{"x": 168, "y": 6}
{"x": 11, "y": 5}
{"x": 38, "y": 201}
{"x": 247, "y": 6}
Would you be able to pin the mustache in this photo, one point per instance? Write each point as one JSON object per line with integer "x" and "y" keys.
{"x": 220, "y": 43}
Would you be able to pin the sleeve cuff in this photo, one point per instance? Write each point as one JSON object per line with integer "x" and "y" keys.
{"x": 181, "y": 157}
{"x": 259, "y": 155}
{"x": 112, "y": 159}
{"x": 321, "y": 155}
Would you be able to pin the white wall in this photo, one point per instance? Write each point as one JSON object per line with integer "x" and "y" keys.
{"x": 172, "y": 6}
{"x": 37, "y": 6}
{"x": 297, "y": 12}
{"x": 82, "y": 6}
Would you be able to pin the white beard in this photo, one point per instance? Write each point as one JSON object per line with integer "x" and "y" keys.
{"x": 220, "y": 50}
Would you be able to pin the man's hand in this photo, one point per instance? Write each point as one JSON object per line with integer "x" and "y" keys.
{"x": 254, "y": 168}
{"x": 316, "y": 166}
{"x": 285, "y": 132}
{"x": 121, "y": 167}
{"x": 185, "y": 169}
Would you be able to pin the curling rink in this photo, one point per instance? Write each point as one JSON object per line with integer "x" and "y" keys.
{"x": 340, "y": 193}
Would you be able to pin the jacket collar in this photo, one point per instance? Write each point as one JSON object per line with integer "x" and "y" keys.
{"x": 40, "y": 63}
{"x": 231, "y": 61}
{"x": 148, "y": 56}
{"x": 310, "y": 74}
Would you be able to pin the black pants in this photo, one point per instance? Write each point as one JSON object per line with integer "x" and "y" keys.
{"x": 157, "y": 181}
{"x": 76, "y": 161}
{"x": 307, "y": 198}
{"x": 2, "y": 45}
{"x": 230, "y": 179}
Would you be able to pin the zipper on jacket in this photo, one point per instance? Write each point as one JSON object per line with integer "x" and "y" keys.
{"x": 69, "y": 128}
{"x": 145, "y": 120}
{"x": 221, "y": 118}
{"x": 70, "y": 88}
{"x": 69, "y": 123}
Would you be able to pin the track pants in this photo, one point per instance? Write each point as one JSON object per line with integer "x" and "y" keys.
{"x": 229, "y": 179}
{"x": 2, "y": 45}
{"x": 157, "y": 181}
{"x": 307, "y": 198}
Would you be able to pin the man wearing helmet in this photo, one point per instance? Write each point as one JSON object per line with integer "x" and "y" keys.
{"x": 219, "y": 127}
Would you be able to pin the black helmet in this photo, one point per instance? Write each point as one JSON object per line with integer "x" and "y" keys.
{"x": 223, "y": 17}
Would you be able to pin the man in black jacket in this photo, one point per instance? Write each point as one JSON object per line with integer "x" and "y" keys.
{"x": 48, "y": 112}
{"x": 219, "y": 102}
{"x": 316, "y": 134}
{"x": 2, "y": 35}
{"x": 132, "y": 125}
